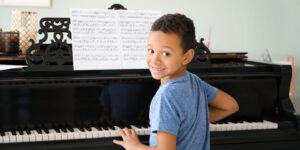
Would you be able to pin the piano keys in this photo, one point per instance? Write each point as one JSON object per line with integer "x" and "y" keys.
{"x": 94, "y": 132}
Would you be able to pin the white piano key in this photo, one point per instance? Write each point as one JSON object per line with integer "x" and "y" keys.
{"x": 231, "y": 126}
{"x": 95, "y": 132}
{"x": 212, "y": 127}
{"x": 270, "y": 125}
{"x": 223, "y": 127}
{"x": 106, "y": 132}
{"x": 32, "y": 137}
{"x": 101, "y": 133}
{"x": 51, "y": 135}
{"x": 1, "y": 139}
{"x": 78, "y": 134}
{"x": 112, "y": 133}
{"x": 116, "y": 131}
{"x": 89, "y": 134}
{"x": 70, "y": 135}
{"x": 63, "y": 135}
{"x": 218, "y": 127}
{"x": 25, "y": 137}
{"x": 38, "y": 137}
{"x": 260, "y": 125}
{"x": 6, "y": 138}
{"x": 147, "y": 131}
{"x": 140, "y": 131}
{"x": 12, "y": 138}
{"x": 19, "y": 138}
{"x": 45, "y": 136}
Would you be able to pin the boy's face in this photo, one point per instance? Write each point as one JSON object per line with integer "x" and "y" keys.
{"x": 165, "y": 56}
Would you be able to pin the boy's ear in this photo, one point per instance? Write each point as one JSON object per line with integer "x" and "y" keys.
{"x": 188, "y": 56}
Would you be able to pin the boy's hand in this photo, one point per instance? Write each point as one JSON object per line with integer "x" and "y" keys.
{"x": 130, "y": 139}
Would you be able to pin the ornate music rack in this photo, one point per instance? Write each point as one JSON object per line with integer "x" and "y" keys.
{"x": 57, "y": 56}
{"x": 54, "y": 56}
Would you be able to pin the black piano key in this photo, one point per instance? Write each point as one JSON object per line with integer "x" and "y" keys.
{"x": 110, "y": 125}
{"x": 88, "y": 125}
{"x": 64, "y": 130}
{"x": 88, "y": 128}
{"x": 38, "y": 128}
{"x": 2, "y": 133}
{"x": 48, "y": 126}
{"x": 70, "y": 126}
{"x": 28, "y": 128}
{"x": 39, "y": 131}
{"x": 126, "y": 124}
{"x": 137, "y": 124}
{"x": 21, "y": 132}
{"x": 56, "y": 127}
{"x": 21, "y": 129}
{"x": 99, "y": 128}
{"x": 46, "y": 130}
{"x": 143, "y": 124}
{"x": 81, "y": 129}
{"x": 28, "y": 132}
{"x": 80, "y": 126}
{"x": 96, "y": 125}
{"x": 57, "y": 130}
{"x": 103, "y": 124}
{"x": 122, "y": 124}
{"x": 66, "y": 126}
{"x": 13, "y": 132}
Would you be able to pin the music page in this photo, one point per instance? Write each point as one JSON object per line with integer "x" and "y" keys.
{"x": 110, "y": 39}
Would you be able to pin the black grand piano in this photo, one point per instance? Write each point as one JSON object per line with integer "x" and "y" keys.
{"x": 49, "y": 106}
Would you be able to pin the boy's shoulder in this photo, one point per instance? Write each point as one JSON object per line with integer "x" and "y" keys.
{"x": 179, "y": 84}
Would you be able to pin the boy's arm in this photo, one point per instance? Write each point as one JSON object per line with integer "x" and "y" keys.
{"x": 222, "y": 106}
{"x": 165, "y": 141}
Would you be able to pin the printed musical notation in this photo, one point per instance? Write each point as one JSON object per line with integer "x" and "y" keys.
{"x": 110, "y": 39}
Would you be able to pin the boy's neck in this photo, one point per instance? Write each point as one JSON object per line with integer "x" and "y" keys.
{"x": 162, "y": 82}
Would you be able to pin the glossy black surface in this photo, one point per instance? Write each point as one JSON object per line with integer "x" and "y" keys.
{"x": 111, "y": 102}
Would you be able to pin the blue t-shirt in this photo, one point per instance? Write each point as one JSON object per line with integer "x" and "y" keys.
{"x": 180, "y": 107}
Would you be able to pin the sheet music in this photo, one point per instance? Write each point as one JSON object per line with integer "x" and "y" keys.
{"x": 110, "y": 39}
{"x": 8, "y": 67}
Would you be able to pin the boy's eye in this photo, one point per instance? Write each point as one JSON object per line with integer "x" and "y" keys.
{"x": 166, "y": 54}
{"x": 150, "y": 51}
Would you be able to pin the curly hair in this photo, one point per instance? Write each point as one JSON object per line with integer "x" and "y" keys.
{"x": 180, "y": 25}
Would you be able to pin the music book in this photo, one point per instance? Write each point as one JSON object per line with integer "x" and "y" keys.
{"x": 110, "y": 39}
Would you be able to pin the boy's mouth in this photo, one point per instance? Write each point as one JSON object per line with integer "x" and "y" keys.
{"x": 156, "y": 69}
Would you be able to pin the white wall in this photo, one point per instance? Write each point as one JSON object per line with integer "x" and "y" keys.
{"x": 237, "y": 25}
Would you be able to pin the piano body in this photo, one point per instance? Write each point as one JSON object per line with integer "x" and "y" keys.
{"x": 47, "y": 105}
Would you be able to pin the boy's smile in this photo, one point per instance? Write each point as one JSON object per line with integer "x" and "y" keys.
{"x": 165, "y": 56}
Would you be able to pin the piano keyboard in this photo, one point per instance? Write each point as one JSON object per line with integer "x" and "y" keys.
{"x": 97, "y": 132}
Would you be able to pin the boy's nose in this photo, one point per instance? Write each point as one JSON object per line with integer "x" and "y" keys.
{"x": 155, "y": 59}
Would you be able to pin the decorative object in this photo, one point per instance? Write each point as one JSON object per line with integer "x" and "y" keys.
{"x": 28, "y": 3}
{"x": 9, "y": 43}
{"x": 25, "y": 23}
{"x": 56, "y": 55}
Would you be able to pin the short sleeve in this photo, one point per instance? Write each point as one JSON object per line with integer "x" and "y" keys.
{"x": 167, "y": 117}
{"x": 210, "y": 91}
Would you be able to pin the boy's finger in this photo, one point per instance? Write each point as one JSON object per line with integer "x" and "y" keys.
{"x": 133, "y": 132}
{"x": 121, "y": 132}
{"x": 121, "y": 143}
{"x": 126, "y": 131}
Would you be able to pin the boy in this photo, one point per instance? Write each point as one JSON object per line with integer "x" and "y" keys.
{"x": 179, "y": 113}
